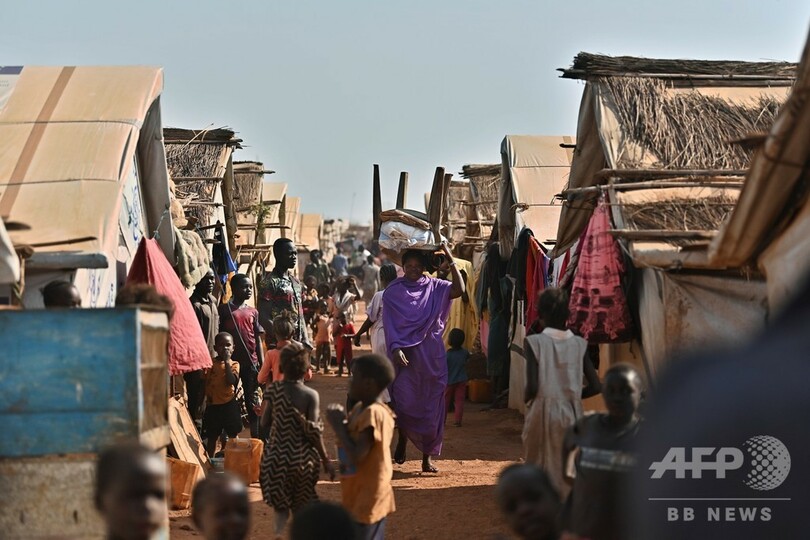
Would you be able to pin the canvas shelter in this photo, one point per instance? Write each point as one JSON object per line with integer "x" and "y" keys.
{"x": 534, "y": 170}
{"x": 654, "y": 142}
{"x": 82, "y": 165}
{"x": 770, "y": 224}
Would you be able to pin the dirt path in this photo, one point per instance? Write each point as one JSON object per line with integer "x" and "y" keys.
{"x": 456, "y": 503}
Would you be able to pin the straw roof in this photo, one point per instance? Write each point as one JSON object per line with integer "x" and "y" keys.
{"x": 485, "y": 180}
{"x": 202, "y": 155}
{"x": 687, "y": 130}
{"x": 588, "y": 65}
{"x": 247, "y": 198}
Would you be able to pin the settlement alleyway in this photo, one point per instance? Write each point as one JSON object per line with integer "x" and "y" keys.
{"x": 456, "y": 503}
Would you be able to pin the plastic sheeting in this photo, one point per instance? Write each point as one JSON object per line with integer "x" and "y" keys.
{"x": 690, "y": 312}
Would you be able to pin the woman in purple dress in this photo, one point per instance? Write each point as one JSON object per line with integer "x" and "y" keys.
{"x": 415, "y": 309}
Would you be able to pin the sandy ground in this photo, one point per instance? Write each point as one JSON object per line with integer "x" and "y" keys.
{"x": 456, "y": 503}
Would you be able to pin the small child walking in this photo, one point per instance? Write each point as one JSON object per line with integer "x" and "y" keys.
{"x": 344, "y": 332}
{"x": 457, "y": 358}
{"x": 284, "y": 329}
{"x": 289, "y": 468}
{"x": 365, "y": 446}
{"x": 222, "y": 413}
{"x": 323, "y": 348}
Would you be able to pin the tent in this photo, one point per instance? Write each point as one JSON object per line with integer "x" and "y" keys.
{"x": 82, "y": 164}
{"x": 653, "y": 141}
{"x": 771, "y": 222}
{"x": 534, "y": 170}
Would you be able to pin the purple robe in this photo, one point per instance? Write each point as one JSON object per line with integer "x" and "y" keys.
{"x": 414, "y": 315}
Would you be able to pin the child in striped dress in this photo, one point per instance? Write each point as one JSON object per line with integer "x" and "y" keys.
{"x": 289, "y": 468}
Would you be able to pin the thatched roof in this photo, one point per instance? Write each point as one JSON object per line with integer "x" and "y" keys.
{"x": 201, "y": 155}
{"x": 687, "y": 130}
{"x": 222, "y": 135}
{"x": 198, "y": 154}
{"x": 587, "y": 66}
{"x": 477, "y": 170}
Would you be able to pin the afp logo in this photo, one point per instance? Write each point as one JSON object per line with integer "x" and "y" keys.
{"x": 767, "y": 464}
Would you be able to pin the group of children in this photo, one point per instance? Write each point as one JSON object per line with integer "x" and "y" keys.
{"x": 131, "y": 480}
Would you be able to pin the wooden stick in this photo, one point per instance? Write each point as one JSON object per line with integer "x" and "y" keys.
{"x": 253, "y": 172}
{"x": 653, "y": 184}
{"x": 662, "y": 234}
{"x": 630, "y": 174}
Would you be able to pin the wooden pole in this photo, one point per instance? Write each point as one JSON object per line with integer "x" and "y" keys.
{"x": 377, "y": 201}
{"x": 402, "y": 192}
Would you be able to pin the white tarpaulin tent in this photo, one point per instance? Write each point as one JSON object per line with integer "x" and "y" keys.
{"x": 535, "y": 169}
{"x": 82, "y": 164}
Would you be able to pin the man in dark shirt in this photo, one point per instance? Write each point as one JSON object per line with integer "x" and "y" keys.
{"x": 280, "y": 291}
{"x": 205, "y": 308}
{"x": 317, "y": 268}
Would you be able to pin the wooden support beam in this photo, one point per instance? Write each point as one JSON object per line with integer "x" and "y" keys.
{"x": 402, "y": 191}
{"x": 662, "y": 234}
{"x": 58, "y": 260}
{"x": 254, "y": 172}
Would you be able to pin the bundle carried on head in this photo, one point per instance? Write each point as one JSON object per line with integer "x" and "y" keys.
{"x": 402, "y": 230}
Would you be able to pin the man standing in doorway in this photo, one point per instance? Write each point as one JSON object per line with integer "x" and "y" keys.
{"x": 280, "y": 291}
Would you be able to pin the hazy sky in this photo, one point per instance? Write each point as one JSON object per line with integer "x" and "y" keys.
{"x": 321, "y": 90}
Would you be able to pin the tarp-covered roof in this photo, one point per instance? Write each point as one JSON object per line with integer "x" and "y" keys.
{"x": 69, "y": 135}
{"x": 309, "y": 230}
{"x": 649, "y": 123}
{"x": 292, "y": 209}
{"x": 536, "y": 169}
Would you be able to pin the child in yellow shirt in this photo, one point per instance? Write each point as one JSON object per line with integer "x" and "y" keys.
{"x": 365, "y": 446}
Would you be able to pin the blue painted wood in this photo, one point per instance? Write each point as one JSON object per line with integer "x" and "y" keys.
{"x": 69, "y": 380}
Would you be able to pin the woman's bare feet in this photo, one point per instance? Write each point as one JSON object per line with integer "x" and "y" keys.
{"x": 427, "y": 464}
